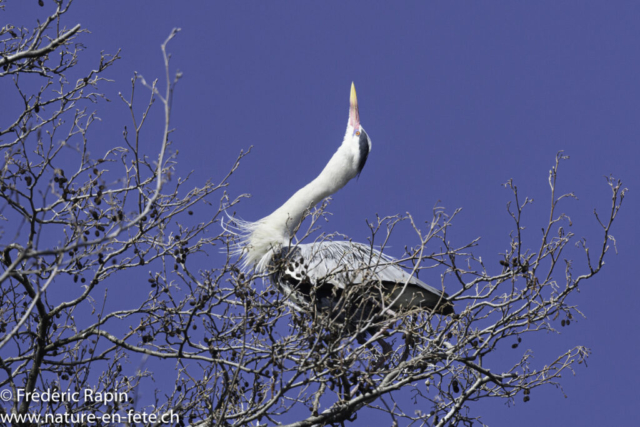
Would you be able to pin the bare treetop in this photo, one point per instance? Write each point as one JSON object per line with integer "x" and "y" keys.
{"x": 223, "y": 345}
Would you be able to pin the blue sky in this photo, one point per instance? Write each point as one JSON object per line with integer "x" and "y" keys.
{"x": 457, "y": 97}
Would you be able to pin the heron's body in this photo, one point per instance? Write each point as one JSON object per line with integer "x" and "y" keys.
{"x": 329, "y": 268}
{"x": 320, "y": 272}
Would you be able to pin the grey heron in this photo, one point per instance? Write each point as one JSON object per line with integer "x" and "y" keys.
{"x": 322, "y": 271}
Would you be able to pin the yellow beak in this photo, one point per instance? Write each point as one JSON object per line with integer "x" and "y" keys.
{"x": 354, "y": 115}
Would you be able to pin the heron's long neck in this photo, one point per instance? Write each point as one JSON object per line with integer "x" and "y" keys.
{"x": 333, "y": 177}
{"x": 278, "y": 228}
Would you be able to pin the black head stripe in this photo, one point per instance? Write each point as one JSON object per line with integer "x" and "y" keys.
{"x": 364, "y": 150}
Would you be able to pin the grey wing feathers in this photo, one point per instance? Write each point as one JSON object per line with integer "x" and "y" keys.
{"x": 343, "y": 263}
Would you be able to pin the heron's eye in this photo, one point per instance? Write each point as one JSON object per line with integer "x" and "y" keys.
{"x": 357, "y": 133}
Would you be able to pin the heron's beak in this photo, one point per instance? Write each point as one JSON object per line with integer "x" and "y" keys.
{"x": 354, "y": 116}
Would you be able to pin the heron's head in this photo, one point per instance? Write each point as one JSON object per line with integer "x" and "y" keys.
{"x": 356, "y": 138}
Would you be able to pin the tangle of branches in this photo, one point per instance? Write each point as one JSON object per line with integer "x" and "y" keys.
{"x": 223, "y": 346}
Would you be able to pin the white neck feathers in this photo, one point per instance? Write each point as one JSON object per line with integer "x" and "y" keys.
{"x": 259, "y": 239}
